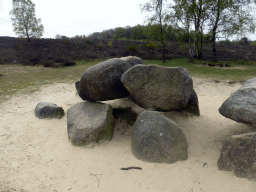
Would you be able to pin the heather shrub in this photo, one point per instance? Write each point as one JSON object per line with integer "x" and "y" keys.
{"x": 49, "y": 64}
{"x": 69, "y": 63}
{"x": 151, "y": 45}
{"x": 132, "y": 48}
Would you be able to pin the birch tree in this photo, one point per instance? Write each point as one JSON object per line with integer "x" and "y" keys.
{"x": 24, "y": 19}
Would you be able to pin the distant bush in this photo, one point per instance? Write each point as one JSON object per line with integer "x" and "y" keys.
{"x": 88, "y": 41}
{"x": 69, "y": 63}
{"x": 100, "y": 46}
{"x": 59, "y": 60}
{"x": 66, "y": 42}
{"x": 151, "y": 45}
{"x": 110, "y": 44}
{"x": 49, "y": 64}
{"x": 132, "y": 48}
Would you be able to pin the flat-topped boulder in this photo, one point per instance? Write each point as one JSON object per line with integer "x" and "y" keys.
{"x": 158, "y": 88}
{"x": 238, "y": 155}
{"x": 45, "y": 110}
{"x": 241, "y": 105}
{"x": 89, "y": 122}
{"x": 155, "y": 138}
{"x": 101, "y": 82}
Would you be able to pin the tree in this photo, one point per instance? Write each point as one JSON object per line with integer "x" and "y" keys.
{"x": 230, "y": 17}
{"x": 191, "y": 13}
{"x": 24, "y": 20}
{"x": 158, "y": 15}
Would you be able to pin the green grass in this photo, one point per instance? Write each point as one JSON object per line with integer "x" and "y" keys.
{"x": 27, "y": 79}
{"x": 239, "y": 70}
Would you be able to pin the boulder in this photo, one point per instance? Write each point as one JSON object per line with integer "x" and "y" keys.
{"x": 238, "y": 155}
{"x": 155, "y": 138}
{"x": 101, "y": 82}
{"x": 77, "y": 85}
{"x": 158, "y": 88}
{"x": 89, "y": 122}
{"x": 193, "y": 105}
{"x": 241, "y": 105}
{"x": 48, "y": 110}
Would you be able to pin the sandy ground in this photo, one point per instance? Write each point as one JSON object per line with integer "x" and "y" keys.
{"x": 36, "y": 155}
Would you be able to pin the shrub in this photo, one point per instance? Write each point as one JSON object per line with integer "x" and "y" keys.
{"x": 100, "y": 46}
{"x": 88, "y": 41}
{"x": 132, "y": 48}
{"x": 66, "y": 42}
{"x": 110, "y": 44}
{"x": 151, "y": 45}
{"x": 49, "y": 64}
{"x": 59, "y": 60}
{"x": 253, "y": 43}
{"x": 69, "y": 63}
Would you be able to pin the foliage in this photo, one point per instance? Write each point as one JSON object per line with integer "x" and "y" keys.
{"x": 110, "y": 43}
{"x": 253, "y": 43}
{"x": 132, "y": 48}
{"x": 24, "y": 20}
{"x": 151, "y": 45}
{"x": 100, "y": 46}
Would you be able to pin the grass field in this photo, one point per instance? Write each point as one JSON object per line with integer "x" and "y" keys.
{"x": 27, "y": 79}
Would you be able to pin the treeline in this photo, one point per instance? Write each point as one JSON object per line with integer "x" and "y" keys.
{"x": 151, "y": 33}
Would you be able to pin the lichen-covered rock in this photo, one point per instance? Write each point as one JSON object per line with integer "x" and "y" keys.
{"x": 48, "y": 110}
{"x": 89, "y": 122}
{"x": 238, "y": 154}
{"x": 158, "y": 88}
{"x": 101, "y": 82}
{"x": 155, "y": 138}
{"x": 241, "y": 105}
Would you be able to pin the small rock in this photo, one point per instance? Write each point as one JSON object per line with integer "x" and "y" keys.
{"x": 48, "y": 110}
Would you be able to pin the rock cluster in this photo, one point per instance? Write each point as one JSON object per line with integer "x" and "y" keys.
{"x": 155, "y": 138}
{"x": 238, "y": 152}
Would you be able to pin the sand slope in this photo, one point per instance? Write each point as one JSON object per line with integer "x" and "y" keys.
{"x": 36, "y": 155}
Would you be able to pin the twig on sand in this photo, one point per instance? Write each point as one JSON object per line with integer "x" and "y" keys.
{"x": 131, "y": 168}
{"x": 95, "y": 175}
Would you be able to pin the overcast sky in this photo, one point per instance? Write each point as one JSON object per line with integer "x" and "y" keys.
{"x": 79, "y": 17}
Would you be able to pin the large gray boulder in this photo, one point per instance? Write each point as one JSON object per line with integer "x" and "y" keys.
{"x": 158, "y": 88}
{"x": 101, "y": 82}
{"x": 155, "y": 138}
{"x": 238, "y": 155}
{"x": 48, "y": 110}
{"x": 89, "y": 122}
{"x": 241, "y": 105}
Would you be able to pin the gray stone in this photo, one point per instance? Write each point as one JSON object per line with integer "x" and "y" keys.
{"x": 238, "y": 155}
{"x": 89, "y": 122}
{"x": 158, "y": 88}
{"x": 155, "y": 138}
{"x": 101, "y": 82}
{"x": 193, "y": 105}
{"x": 241, "y": 105}
{"x": 48, "y": 110}
{"x": 77, "y": 84}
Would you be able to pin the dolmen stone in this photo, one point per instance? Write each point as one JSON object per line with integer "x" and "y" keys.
{"x": 241, "y": 105}
{"x": 48, "y": 110}
{"x": 89, "y": 122}
{"x": 101, "y": 82}
{"x": 77, "y": 85}
{"x": 155, "y": 138}
{"x": 238, "y": 155}
{"x": 158, "y": 88}
{"x": 193, "y": 104}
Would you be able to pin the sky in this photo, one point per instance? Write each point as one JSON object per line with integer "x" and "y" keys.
{"x": 77, "y": 17}
{"x": 80, "y": 17}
